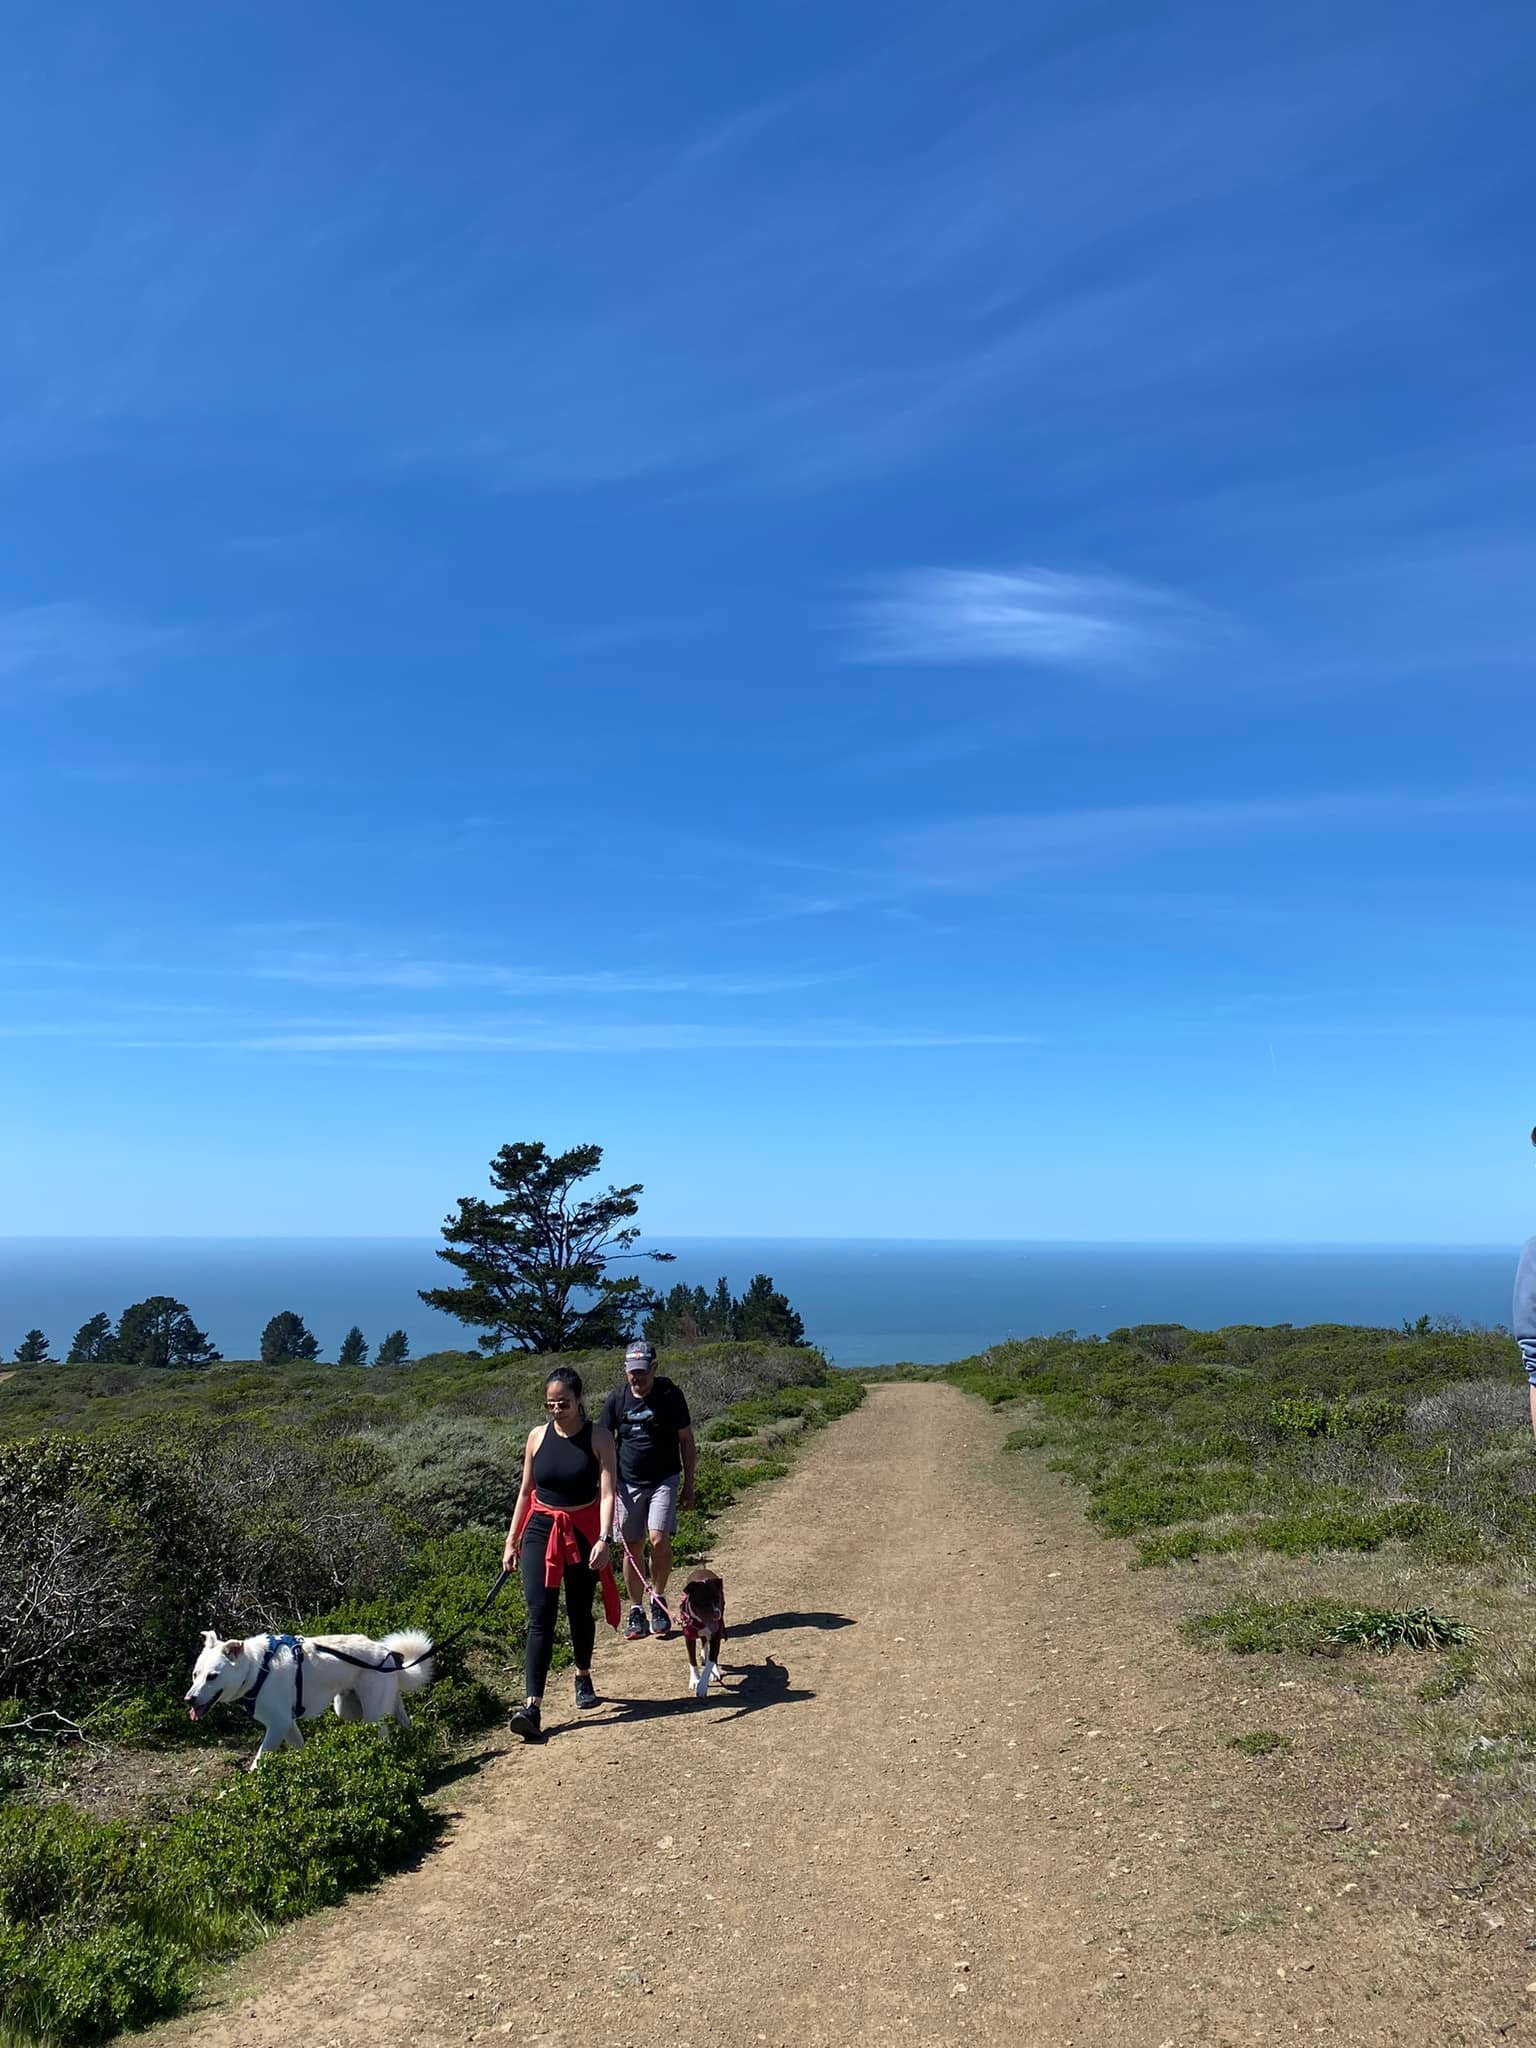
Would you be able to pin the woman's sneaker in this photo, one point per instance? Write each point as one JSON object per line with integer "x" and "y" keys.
{"x": 586, "y": 1693}
{"x": 526, "y": 1722}
{"x": 638, "y": 1625}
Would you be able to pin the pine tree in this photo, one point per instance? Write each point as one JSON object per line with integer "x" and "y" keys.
{"x": 354, "y": 1348}
{"x": 286, "y": 1337}
{"x": 764, "y": 1316}
{"x": 532, "y": 1258}
{"x": 720, "y": 1316}
{"x": 159, "y": 1331}
{"x": 93, "y": 1342}
{"x": 32, "y": 1350}
{"x": 394, "y": 1350}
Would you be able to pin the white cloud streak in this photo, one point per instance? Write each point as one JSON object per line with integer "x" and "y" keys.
{"x": 320, "y": 970}
{"x": 617, "y": 1039}
{"x": 1028, "y": 617}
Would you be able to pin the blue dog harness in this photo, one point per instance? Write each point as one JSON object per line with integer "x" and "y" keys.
{"x": 247, "y": 1701}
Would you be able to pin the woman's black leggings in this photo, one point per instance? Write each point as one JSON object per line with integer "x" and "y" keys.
{"x": 543, "y": 1604}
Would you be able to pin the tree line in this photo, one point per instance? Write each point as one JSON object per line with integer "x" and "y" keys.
{"x": 159, "y": 1331}
{"x": 687, "y": 1315}
{"x": 534, "y": 1276}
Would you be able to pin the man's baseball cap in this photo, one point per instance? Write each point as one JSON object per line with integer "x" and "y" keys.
{"x": 640, "y": 1358}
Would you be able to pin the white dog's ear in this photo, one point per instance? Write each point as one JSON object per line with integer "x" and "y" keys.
{"x": 233, "y": 1649}
{"x": 209, "y": 1636}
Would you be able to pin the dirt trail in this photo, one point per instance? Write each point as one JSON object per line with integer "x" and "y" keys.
{"x": 965, "y": 1802}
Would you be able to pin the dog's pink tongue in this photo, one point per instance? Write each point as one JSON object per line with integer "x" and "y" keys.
{"x": 191, "y": 1713}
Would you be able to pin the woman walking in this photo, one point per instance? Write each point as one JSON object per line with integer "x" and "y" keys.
{"x": 562, "y": 1534}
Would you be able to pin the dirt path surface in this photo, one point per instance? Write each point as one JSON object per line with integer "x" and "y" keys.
{"x": 945, "y": 1799}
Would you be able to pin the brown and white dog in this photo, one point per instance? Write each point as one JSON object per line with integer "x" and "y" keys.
{"x": 701, "y": 1614}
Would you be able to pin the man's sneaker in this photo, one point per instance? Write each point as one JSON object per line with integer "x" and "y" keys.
{"x": 525, "y": 1722}
{"x": 661, "y": 1621}
{"x": 638, "y": 1625}
{"x": 586, "y": 1693}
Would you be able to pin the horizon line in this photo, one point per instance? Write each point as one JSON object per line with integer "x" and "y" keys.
{"x": 1404, "y": 1245}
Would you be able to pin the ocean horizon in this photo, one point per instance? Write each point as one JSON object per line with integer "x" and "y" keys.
{"x": 865, "y": 1301}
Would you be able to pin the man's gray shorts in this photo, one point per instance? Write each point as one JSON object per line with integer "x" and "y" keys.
{"x": 649, "y": 1509}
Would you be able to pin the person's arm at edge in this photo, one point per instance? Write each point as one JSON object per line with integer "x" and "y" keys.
{"x": 1524, "y": 1323}
{"x": 524, "y": 1498}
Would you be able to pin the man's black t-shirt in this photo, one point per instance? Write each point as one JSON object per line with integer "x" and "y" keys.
{"x": 646, "y": 1430}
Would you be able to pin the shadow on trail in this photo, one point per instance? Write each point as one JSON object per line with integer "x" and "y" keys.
{"x": 463, "y": 1767}
{"x": 771, "y": 1624}
{"x": 746, "y": 1689}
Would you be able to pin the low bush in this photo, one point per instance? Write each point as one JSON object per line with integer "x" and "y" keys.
{"x": 108, "y": 1547}
{"x": 453, "y": 1471}
{"x": 103, "y": 1925}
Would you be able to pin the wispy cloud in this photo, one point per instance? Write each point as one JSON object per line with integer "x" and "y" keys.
{"x": 1028, "y": 617}
{"x": 556, "y": 1037}
{"x": 986, "y": 850}
{"x": 71, "y": 646}
{"x": 322, "y": 970}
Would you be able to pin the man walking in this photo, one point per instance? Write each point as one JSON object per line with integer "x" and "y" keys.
{"x": 649, "y": 1419}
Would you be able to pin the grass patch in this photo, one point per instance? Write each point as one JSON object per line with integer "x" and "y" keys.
{"x": 1251, "y": 1627}
{"x": 1261, "y": 1742}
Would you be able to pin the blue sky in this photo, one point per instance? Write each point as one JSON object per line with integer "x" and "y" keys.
{"x": 918, "y": 618}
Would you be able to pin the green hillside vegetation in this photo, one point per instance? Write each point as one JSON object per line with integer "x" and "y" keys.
{"x": 148, "y": 1503}
{"x": 1291, "y": 1440}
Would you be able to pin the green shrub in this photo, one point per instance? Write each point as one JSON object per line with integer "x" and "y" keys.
{"x": 1395, "y": 1628}
{"x": 450, "y": 1472}
{"x": 1262, "y": 1742}
{"x": 1134, "y": 1499}
{"x": 102, "y": 1924}
{"x": 1299, "y": 1415}
{"x": 108, "y": 1547}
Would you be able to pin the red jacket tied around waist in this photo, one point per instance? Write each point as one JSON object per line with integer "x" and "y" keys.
{"x": 572, "y": 1534}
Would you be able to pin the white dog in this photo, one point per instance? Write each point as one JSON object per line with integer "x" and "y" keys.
{"x": 265, "y": 1671}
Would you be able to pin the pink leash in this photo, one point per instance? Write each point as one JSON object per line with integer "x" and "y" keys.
{"x": 650, "y": 1590}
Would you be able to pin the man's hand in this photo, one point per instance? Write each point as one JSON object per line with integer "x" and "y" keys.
{"x": 685, "y": 1498}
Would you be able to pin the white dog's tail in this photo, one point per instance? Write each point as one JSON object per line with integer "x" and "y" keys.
{"x": 411, "y": 1644}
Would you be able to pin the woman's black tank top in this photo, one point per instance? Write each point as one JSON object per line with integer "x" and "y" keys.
{"x": 565, "y": 1468}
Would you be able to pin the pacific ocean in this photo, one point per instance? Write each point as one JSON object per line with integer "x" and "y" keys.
{"x": 865, "y": 1301}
